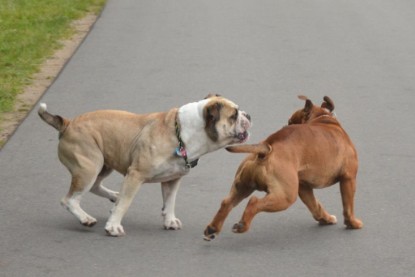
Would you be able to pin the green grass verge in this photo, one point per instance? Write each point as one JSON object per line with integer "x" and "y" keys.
{"x": 30, "y": 31}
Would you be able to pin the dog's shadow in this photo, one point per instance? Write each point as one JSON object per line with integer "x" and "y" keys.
{"x": 134, "y": 228}
{"x": 283, "y": 235}
{"x": 278, "y": 237}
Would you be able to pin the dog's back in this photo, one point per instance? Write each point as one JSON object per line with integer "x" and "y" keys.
{"x": 314, "y": 142}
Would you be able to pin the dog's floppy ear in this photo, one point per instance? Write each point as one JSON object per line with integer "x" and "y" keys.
{"x": 211, "y": 114}
{"x": 328, "y": 103}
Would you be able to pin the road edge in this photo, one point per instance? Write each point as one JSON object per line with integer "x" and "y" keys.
{"x": 41, "y": 81}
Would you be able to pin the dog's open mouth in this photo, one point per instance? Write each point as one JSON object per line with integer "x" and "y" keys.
{"x": 242, "y": 137}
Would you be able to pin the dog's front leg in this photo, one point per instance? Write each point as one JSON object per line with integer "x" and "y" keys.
{"x": 132, "y": 183}
{"x": 169, "y": 192}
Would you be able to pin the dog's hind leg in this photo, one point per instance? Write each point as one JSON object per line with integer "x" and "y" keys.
{"x": 279, "y": 197}
{"x": 239, "y": 191}
{"x": 80, "y": 183}
{"x": 84, "y": 162}
{"x": 102, "y": 191}
{"x": 319, "y": 213}
{"x": 347, "y": 189}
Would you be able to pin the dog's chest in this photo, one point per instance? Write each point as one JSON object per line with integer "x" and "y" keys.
{"x": 168, "y": 170}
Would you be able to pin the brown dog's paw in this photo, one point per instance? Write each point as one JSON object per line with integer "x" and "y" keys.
{"x": 330, "y": 221}
{"x": 239, "y": 228}
{"x": 353, "y": 223}
{"x": 210, "y": 233}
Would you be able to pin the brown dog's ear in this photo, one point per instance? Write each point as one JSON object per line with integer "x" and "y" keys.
{"x": 308, "y": 106}
{"x": 212, "y": 115}
{"x": 212, "y": 95}
{"x": 302, "y": 116}
{"x": 328, "y": 103}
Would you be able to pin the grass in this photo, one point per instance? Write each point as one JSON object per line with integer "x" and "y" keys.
{"x": 30, "y": 31}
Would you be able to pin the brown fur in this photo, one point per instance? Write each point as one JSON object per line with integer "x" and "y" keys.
{"x": 312, "y": 152}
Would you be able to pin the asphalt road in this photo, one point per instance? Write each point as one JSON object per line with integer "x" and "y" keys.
{"x": 146, "y": 56}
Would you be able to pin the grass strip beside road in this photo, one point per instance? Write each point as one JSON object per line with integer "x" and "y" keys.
{"x": 30, "y": 31}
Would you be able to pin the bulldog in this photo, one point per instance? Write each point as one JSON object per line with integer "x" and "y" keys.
{"x": 145, "y": 148}
{"x": 312, "y": 152}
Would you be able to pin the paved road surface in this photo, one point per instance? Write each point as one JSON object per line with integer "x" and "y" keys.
{"x": 145, "y": 56}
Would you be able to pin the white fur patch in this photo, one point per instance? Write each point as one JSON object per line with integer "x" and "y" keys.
{"x": 43, "y": 107}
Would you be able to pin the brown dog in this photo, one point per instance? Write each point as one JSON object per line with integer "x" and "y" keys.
{"x": 312, "y": 152}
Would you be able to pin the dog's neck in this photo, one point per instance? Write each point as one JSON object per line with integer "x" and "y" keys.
{"x": 325, "y": 118}
{"x": 192, "y": 130}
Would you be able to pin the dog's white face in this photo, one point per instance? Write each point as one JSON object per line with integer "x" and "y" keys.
{"x": 225, "y": 123}
{"x": 211, "y": 124}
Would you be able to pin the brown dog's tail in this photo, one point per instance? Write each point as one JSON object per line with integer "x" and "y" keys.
{"x": 56, "y": 121}
{"x": 261, "y": 148}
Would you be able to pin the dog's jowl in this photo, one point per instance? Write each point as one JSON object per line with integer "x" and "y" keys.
{"x": 145, "y": 148}
{"x": 312, "y": 152}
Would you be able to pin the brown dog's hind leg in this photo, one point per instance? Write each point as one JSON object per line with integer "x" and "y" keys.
{"x": 319, "y": 213}
{"x": 274, "y": 201}
{"x": 237, "y": 194}
{"x": 347, "y": 189}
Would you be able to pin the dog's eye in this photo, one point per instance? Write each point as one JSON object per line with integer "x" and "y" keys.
{"x": 234, "y": 115}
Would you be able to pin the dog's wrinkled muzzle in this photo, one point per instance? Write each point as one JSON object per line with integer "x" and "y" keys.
{"x": 245, "y": 124}
{"x": 242, "y": 137}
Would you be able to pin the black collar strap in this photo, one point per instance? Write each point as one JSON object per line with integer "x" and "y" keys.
{"x": 181, "y": 150}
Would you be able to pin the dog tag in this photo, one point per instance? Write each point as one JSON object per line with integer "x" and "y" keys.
{"x": 181, "y": 151}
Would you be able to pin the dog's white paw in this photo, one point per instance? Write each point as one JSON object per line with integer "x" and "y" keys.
{"x": 172, "y": 223}
{"x": 114, "y": 230}
{"x": 113, "y": 196}
{"x": 88, "y": 221}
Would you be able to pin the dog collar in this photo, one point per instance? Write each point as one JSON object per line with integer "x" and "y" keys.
{"x": 181, "y": 150}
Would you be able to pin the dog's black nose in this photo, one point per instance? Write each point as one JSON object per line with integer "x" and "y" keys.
{"x": 248, "y": 116}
